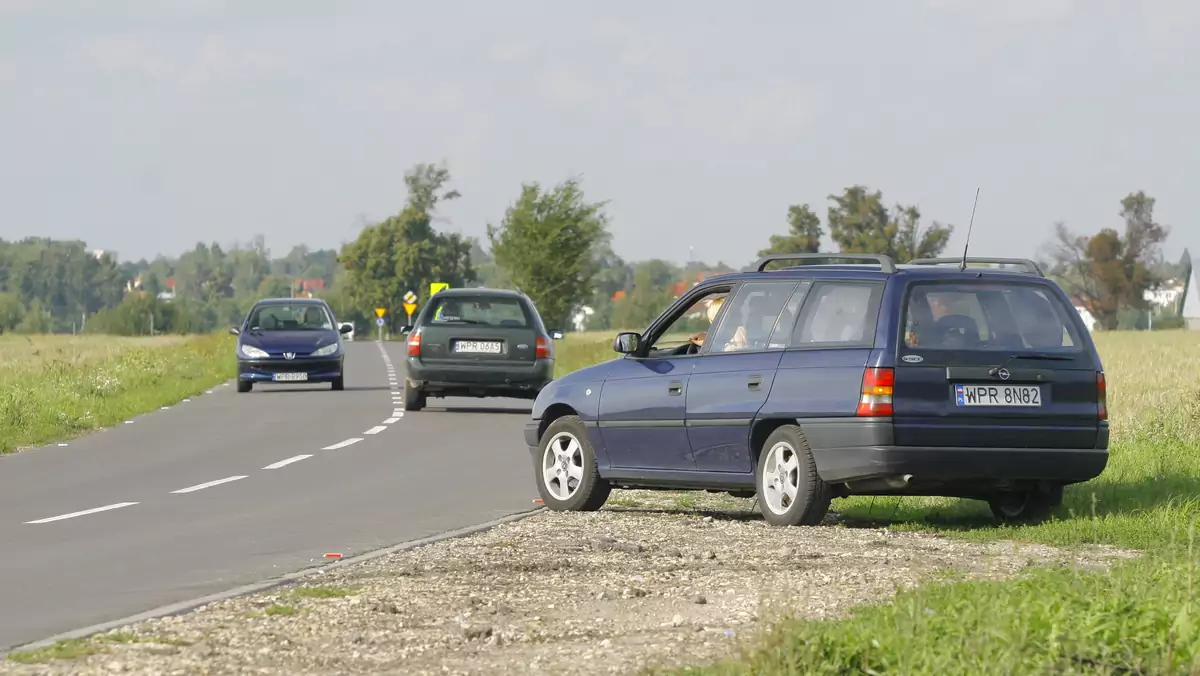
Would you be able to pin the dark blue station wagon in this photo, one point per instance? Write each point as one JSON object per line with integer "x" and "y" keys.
{"x": 823, "y": 380}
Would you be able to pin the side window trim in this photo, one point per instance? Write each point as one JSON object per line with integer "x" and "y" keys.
{"x": 784, "y": 334}
{"x": 874, "y": 303}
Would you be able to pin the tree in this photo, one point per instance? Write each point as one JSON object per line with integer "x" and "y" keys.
{"x": 404, "y": 251}
{"x": 860, "y": 223}
{"x": 1111, "y": 271}
{"x": 548, "y": 244}
{"x": 652, "y": 292}
{"x": 804, "y": 233}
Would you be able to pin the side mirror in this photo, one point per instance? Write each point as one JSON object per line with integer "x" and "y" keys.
{"x": 627, "y": 342}
{"x": 404, "y": 330}
{"x": 556, "y": 334}
{"x": 234, "y": 331}
{"x": 345, "y": 328}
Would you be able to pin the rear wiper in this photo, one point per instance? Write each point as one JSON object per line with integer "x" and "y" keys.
{"x": 1037, "y": 355}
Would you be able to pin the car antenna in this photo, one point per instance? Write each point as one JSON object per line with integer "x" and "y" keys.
{"x": 967, "y": 244}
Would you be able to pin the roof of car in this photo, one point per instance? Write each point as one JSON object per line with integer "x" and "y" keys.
{"x": 480, "y": 291}
{"x": 289, "y": 301}
{"x": 882, "y": 267}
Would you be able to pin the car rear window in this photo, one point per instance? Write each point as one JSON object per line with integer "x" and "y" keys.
{"x": 988, "y": 316}
{"x": 480, "y": 310}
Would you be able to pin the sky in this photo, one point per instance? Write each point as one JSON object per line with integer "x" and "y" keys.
{"x": 145, "y": 127}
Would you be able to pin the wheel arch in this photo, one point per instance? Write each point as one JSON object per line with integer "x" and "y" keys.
{"x": 760, "y": 430}
{"x": 554, "y": 412}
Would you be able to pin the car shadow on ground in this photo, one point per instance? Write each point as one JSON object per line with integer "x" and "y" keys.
{"x": 478, "y": 409}
{"x": 716, "y": 514}
{"x": 274, "y": 388}
{"x": 1081, "y": 502}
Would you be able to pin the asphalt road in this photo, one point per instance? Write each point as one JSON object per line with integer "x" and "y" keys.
{"x": 220, "y": 496}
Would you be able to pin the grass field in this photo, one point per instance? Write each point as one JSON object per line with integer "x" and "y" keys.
{"x": 1144, "y": 618}
{"x": 56, "y": 387}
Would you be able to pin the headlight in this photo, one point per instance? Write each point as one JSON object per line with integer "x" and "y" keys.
{"x": 326, "y": 351}
{"x": 251, "y": 352}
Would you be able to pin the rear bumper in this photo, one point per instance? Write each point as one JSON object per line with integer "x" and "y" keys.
{"x": 938, "y": 464}
{"x": 264, "y": 370}
{"x": 863, "y": 449}
{"x": 481, "y": 378}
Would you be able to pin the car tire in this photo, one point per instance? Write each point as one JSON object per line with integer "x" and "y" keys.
{"x": 339, "y": 383}
{"x": 790, "y": 492}
{"x": 244, "y": 386}
{"x": 565, "y": 469}
{"x": 1026, "y": 507}
{"x": 414, "y": 399}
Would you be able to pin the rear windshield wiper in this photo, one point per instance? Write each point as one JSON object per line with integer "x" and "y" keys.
{"x": 1037, "y": 355}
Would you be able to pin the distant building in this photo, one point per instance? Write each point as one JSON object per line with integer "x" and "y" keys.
{"x": 1191, "y": 302}
{"x": 580, "y": 318}
{"x": 1089, "y": 319}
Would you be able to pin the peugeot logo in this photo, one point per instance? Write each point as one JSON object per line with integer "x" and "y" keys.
{"x": 292, "y": 355}
{"x": 1004, "y": 374}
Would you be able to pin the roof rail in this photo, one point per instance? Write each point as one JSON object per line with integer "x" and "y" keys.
{"x": 886, "y": 264}
{"x": 1030, "y": 266}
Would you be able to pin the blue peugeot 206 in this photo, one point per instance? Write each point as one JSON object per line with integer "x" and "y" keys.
{"x": 290, "y": 340}
{"x": 939, "y": 377}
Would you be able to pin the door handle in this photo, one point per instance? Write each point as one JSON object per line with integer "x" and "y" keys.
{"x": 754, "y": 382}
{"x": 675, "y": 388}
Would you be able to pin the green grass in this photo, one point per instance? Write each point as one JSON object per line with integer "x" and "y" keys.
{"x": 57, "y": 387}
{"x": 281, "y": 610}
{"x": 321, "y": 592}
{"x": 76, "y": 648}
{"x": 1142, "y": 618}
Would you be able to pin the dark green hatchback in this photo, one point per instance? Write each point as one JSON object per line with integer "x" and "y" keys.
{"x": 477, "y": 343}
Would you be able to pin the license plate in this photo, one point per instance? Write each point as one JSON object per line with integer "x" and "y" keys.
{"x": 477, "y": 346}
{"x": 998, "y": 395}
{"x": 290, "y": 377}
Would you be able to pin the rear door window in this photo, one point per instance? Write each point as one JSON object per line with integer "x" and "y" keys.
{"x": 987, "y": 316}
{"x": 839, "y": 314}
{"x": 508, "y": 312}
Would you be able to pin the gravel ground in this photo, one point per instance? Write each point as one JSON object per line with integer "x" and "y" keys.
{"x": 654, "y": 580}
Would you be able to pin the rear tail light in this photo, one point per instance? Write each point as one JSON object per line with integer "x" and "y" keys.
{"x": 1101, "y": 396}
{"x": 414, "y": 343}
{"x": 877, "y": 385}
{"x": 544, "y": 348}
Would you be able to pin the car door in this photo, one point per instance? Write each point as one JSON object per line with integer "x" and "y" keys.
{"x": 731, "y": 380}
{"x": 643, "y": 400}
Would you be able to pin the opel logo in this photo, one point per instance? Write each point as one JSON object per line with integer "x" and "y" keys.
{"x": 292, "y": 355}
{"x": 1003, "y": 373}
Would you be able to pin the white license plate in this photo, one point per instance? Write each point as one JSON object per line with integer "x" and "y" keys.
{"x": 997, "y": 395}
{"x": 478, "y": 346}
{"x": 290, "y": 377}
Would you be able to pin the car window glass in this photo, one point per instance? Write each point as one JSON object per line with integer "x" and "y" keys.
{"x": 787, "y": 319}
{"x": 290, "y": 317}
{"x": 485, "y": 311}
{"x": 839, "y": 314}
{"x": 693, "y": 324}
{"x": 992, "y": 316}
{"x": 748, "y": 323}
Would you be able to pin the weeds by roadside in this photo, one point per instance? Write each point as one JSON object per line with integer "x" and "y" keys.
{"x": 59, "y": 387}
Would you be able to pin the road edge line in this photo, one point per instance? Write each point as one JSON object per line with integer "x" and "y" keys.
{"x": 182, "y": 607}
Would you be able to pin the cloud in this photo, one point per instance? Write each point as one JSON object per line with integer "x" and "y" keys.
{"x": 567, "y": 87}
{"x": 14, "y": 7}
{"x": 1008, "y": 11}
{"x": 117, "y": 54}
{"x": 8, "y": 72}
{"x": 510, "y": 51}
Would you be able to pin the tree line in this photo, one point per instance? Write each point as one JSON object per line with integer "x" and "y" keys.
{"x": 552, "y": 243}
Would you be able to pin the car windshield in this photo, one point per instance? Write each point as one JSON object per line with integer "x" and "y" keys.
{"x": 290, "y": 317}
{"x": 480, "y": 310}
{"x": 988, "y": 316}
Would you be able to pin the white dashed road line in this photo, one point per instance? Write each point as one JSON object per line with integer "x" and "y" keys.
{"x": 285, "y": 463}
{"x": 389, "y": 421}
{"x": 342, "y": 444}
{"x": 376, "y": 430}
{"x": 85, "y": 512}
{"x": 208, "y": 484}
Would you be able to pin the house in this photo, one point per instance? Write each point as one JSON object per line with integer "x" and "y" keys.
{"x": 1085, "y": 313}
